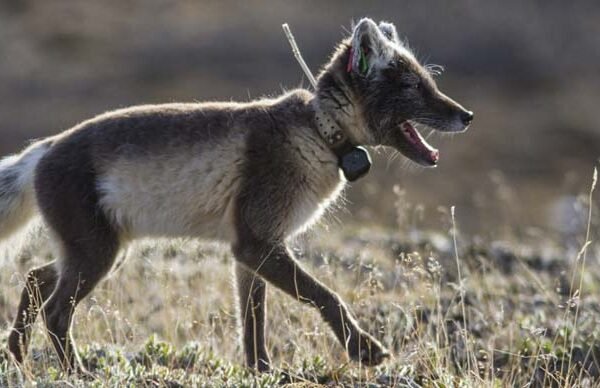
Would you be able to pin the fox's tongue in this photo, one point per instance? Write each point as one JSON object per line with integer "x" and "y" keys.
{"x": 414, "y": 138}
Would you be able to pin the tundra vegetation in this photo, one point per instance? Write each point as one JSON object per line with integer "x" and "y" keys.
{"x": 454, "y": 309}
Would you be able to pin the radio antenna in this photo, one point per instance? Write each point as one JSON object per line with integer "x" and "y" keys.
{"x": 298, "y": 56}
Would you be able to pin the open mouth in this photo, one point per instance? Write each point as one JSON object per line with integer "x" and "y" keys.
{"x": 421, "y": 151}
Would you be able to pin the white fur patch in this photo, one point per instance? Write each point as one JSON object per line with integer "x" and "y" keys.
{"x": 17, "y": 201}
{"x": 183, "y": 192}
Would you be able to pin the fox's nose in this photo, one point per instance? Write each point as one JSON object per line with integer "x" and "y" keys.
{"x": 467, "y": 117}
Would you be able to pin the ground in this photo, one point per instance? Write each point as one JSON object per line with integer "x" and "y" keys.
{"x": 530, "y": 307}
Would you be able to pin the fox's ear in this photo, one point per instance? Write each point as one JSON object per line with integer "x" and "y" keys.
{"x": 389, "y": 30}
{"x": 369, "y": 47}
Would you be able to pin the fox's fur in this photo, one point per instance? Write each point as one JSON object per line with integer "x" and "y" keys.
{"x": 252, "y": 174}
{"x": 17, "y": 195}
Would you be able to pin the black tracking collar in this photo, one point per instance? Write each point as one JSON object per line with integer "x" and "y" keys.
{"x": 354, "y": 161}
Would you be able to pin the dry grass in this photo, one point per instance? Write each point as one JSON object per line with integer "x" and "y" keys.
{"x": 519, "y": 313}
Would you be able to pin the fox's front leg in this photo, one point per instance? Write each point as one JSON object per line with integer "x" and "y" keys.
{"x": 275, "y": 263}
{"x": 251, "y": 290}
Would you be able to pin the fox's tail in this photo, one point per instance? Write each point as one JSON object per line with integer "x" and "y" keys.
{"x": 17, "y": 197}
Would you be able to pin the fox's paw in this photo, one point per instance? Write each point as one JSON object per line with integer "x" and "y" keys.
{"x": 367, "y": 350}
{"x": 82, "y": 372}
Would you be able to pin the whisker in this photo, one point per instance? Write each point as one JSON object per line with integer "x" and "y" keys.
{"x": 434, "y": 70}
{"x": 391, "y": 157}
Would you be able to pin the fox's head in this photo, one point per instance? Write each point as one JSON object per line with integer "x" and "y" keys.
{"x": 376, "y": 85}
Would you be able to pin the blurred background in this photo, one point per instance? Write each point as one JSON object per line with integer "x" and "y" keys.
{"x": 529, "y": 71}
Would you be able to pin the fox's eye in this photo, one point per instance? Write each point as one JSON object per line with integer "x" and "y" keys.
{"x": 411, "y": 85}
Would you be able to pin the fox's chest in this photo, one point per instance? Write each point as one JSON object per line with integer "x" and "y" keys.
{"x": 311, "y": 206}
{"x": 319, "y": 187}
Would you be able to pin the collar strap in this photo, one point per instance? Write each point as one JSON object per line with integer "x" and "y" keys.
{"x": 354, "y": 161}
{"x": 330, "y": 131}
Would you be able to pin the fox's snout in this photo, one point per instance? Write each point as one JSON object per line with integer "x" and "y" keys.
{"x": 466, "y": 117}
{"x": 452, "y": 116}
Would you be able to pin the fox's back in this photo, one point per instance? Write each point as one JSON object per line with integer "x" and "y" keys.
{"x": 157, "y": 170}
{"x": 177, "y": 169}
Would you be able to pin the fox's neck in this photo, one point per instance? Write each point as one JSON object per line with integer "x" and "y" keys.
{"x": 335, "y": 98}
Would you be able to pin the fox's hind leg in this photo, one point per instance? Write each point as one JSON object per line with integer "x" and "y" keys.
{"x": 39, "y": 284}
{"x": 83, "y": 267}
{"x": 90, "y": 247}
{"x": 252, "y": 300}
{"x": 69, "y": 203}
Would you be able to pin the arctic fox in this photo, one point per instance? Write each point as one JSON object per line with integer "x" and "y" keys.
{"x": 252, "y": 174}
